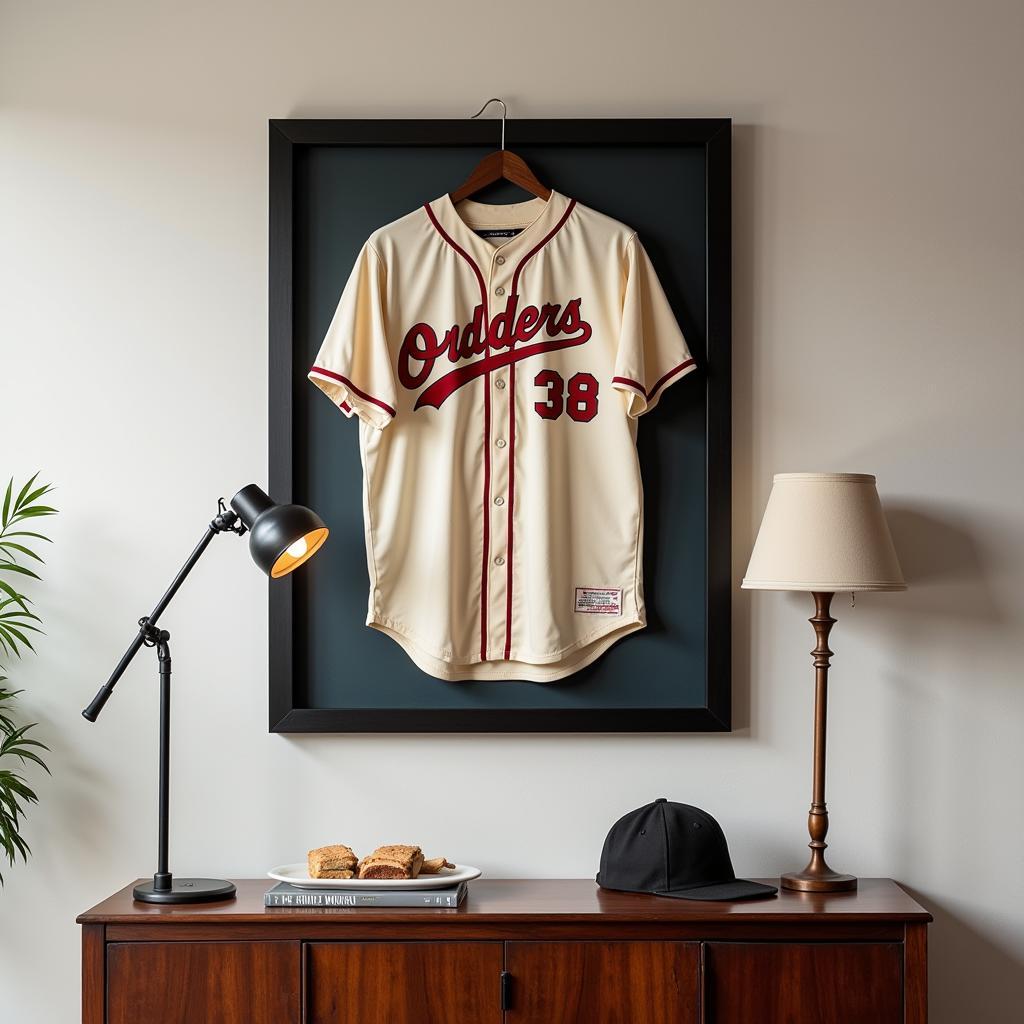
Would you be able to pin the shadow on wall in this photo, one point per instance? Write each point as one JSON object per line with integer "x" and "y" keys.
{"x": 951, "y": 612}
{"x": 971, "y": 978}
{"x": 747, "y": 144}
{"x": 943, "y": 564}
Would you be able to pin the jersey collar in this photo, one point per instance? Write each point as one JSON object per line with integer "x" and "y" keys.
{"x": 536, "y": 217}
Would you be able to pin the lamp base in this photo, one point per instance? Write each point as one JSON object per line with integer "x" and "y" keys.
{"x": 819, "y": 881}
{"x": 185, "y": 890}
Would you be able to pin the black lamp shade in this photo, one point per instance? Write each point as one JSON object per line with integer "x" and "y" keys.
{"x": 281, "y": 537}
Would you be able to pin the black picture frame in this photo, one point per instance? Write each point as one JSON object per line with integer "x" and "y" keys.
{"x": 287, "y": 139}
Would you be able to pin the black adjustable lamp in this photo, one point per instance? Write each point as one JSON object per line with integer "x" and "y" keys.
{"x": 281, "y": 538}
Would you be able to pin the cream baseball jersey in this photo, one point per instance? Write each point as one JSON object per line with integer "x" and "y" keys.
{"x": 497, "y": 359}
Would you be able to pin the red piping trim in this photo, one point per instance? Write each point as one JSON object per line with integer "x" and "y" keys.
{"x": 637, "y": 386}
{"x": 540, "y": 245}
{"x": 510, "y": 531}
{"x": 668, "y": 376}
{"x": 356, "y": 391}
{"x": 485, "y": 577}
{"x": 458, "y": 248}
{"x": 630, "y": 383}
{"x": 509, "y": 578}
{"x": 487, "y": 431}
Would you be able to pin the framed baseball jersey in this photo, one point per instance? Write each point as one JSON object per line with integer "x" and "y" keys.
{"x": 497, "y": 358}
{"x": 499, "y": 361}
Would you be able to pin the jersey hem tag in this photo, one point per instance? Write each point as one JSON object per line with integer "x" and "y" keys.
{"x": 598, "y": 601}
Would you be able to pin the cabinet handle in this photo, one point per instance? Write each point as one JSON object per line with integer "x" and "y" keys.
{"x": 506, "y": 990}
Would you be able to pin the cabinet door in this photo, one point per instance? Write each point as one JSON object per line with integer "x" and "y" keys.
{"x": 403, "y": 983}
{"x": 213, "y": 982}
{"x": 603, "y": 982}
{"x": 826, "y": 983}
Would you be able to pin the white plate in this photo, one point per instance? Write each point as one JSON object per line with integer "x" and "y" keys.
{"x": 298, "y": 874}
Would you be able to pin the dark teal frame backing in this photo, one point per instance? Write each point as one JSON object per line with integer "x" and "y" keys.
{"x": 295, "y": 698}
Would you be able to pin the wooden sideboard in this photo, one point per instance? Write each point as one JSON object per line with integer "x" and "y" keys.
{"x": 517, "y": 952}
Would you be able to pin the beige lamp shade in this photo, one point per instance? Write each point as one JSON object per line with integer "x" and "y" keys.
{"x": 823, "y": 532}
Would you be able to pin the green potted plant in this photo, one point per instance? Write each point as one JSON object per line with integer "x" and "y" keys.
{"x": 17, "y": 623}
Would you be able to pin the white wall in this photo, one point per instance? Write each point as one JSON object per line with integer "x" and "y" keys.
{"x": 878, "y": 311}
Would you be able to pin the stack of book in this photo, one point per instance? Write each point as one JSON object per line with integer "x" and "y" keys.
{"x": 285, "y": 895}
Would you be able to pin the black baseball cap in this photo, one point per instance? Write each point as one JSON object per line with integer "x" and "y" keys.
{"x": 676, "y": 850}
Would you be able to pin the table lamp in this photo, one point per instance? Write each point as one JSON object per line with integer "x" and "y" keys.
{"x": 822, "y": 533}
{"x": 281, "y": 538}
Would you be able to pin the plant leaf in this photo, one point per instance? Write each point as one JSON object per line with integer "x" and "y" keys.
{"x": 13, "y": 594}
{"x": 14, "y": 567}
{"x": 20, "y": 500}
{"x": 17, "y": 634}
{"x": 36, "y": 510}
{"x": 9, "y": 640}
{"x": 7, "y": 544}
{"x": 19, "y": 617}
{"x": 20, "y": 611}
{"x": 29, "y": 498}
{"x": 16, "y": 619}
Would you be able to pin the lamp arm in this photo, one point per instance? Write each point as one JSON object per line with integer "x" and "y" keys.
{"x": 225, "y": 521}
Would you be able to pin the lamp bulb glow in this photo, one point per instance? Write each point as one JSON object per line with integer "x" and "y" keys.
{"x": 298, "y": 549}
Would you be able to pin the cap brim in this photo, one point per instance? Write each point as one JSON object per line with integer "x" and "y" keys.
{"x": 738, "y": 889}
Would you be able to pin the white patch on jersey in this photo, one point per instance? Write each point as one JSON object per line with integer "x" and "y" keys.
{"x": 598, "y": 601}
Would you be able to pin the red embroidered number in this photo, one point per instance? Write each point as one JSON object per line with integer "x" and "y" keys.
{"x": 551, "y": 407}
{"x": 582, "y": 395}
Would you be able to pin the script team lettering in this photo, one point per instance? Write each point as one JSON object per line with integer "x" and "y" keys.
{"x": 481, "y": 350}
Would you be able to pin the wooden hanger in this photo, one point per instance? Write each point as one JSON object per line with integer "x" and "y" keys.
{"x": 500, "y": 165}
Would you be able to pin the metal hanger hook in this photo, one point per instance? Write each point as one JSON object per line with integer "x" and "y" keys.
{"x": 504, "y": 114}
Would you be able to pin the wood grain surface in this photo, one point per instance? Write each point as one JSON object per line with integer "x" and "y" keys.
{"x": 604, "y": 982}
{"x": 828, "y": 983}
{"x": 540, "y": 899}
{"x": 404, "y": 983}
{"x": 207, "y": 982}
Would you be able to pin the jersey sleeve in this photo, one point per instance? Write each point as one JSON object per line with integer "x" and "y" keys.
{"x": 353, "y": 366}
{"x": 652, "y": 350}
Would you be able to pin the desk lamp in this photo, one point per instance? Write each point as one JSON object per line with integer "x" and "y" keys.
{"x": 281, "y": 538}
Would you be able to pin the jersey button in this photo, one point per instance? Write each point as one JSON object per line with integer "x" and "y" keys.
{"x": 499, "y": 290}
{"x": 499, "y": 260}
{"x": 499, "y": 500}
{"x": 499, "y": 384}
{"x": 500, "y": 443}
{"x": 499, "y": 560}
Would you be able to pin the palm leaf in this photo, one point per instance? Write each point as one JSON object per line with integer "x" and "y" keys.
{"x": 16, "y": 744}
{"x": 27, "y": 499}
{"x": 6, "y": 637}
{"x": 25, "y": 533}
{"x": 17, "y": 621}
{"x": 14, "y": 595}
{"x": 28, "y": 486}
{"x": 14, "y": 567}
{"x": 21, "y": 611}
{"x": 12, "y": 620}
{"x": 9, "y": 637}
{"x": 7, "y": 500}
{"x": 8, "y": 544}
{"x": 35, "y": 510}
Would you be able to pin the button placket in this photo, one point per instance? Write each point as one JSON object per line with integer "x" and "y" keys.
{"x": 500, "y": 455}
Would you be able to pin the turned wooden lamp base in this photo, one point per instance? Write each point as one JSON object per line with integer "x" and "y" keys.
{"x": 827, "y": 881}
{"x": 818, "y": 876}
{"x": 822, "y": 533}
